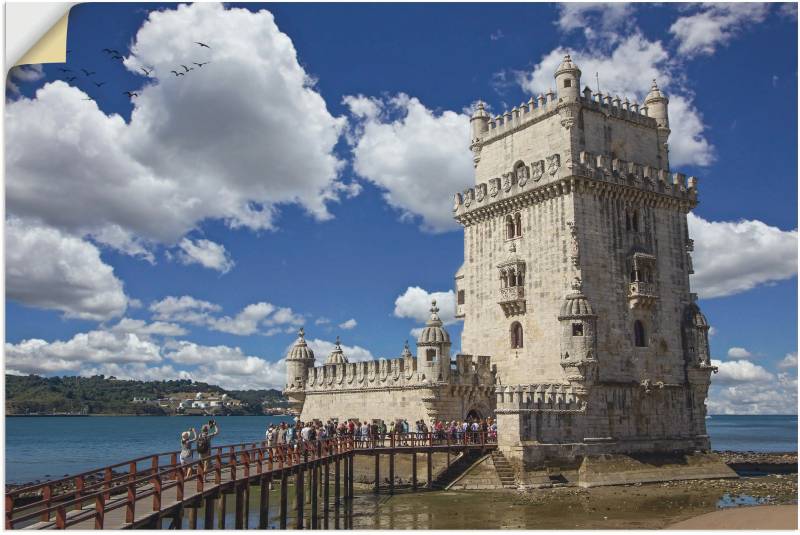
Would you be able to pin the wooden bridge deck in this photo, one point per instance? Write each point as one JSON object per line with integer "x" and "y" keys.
{"x": 141, "y": 498}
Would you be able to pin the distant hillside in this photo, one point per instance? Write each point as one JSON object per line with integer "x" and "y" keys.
{"x": 109, "y": 395}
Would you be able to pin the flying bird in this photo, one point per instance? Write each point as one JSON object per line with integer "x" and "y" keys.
{"x": 146, "y": 72}
{"x": 130, "y": 94}
{"x": 187, "y": 69}
{"x": 108, "y": 50}
{"x": 99, "y": 84}
{"x": 88, "y": 73}
{"x": 176, "y": 73}
{"x": 71, "y": 78}
{"x": 116, "y": 56}
{"x": 201, "y": 64}
{"x": 201, "y": 44}
{"x": 64, "y": 70}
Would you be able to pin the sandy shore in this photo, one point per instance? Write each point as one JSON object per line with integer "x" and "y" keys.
{"x": 758, "y": 517}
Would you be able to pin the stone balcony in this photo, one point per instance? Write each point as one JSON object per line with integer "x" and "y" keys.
{"x": 642, "y": 294}
{"x": 512, "y": 300}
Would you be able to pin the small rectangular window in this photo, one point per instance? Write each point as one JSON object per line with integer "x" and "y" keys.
{"x": 461, "y": 297}
{"x": 568, "y": 83}
{"x": 577, "y": 329}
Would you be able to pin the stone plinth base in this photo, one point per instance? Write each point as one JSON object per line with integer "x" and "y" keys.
{"x": 608, "y": 469}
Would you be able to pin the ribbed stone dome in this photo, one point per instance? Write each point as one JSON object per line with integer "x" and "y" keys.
{"x": 337, "y": 355}
{"x": 300, "y": 350}
{"x": 406, "y": 354}
{"x": 575, "y": 304}
{"x": 654, "y": 94}
{"x": 433, "y": 333}
{"x": 567, "y": 65}
{"x": 696, "y": 317}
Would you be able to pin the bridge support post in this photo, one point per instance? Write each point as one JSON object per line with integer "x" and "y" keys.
{"x": 429, "y": 468}
{"x": 208, "y": 513}
{"x": 193, "y": 517}
{"x": 351, "y": 469}
{"x": 414, "y": 472}
{"x": 263, "y": 502}
{"x": 391, "y": 472}
{"x": 177, "y": 519}
{"x": 299, "y": 487}
{"x": 377, "y": 472}
{"x": 337, "y": 490}
{"x": 314, "y": 495}
{"x": 326, "y": 494}
{"x": 221, "y": 511}
{"x": 345, "y": 475}
{"x": 310, "y": 472}
{"x": 239, "y": 515}
{"x": 284, "y": 490}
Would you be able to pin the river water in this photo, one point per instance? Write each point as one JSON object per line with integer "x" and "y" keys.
{"x": 50, "y": 447}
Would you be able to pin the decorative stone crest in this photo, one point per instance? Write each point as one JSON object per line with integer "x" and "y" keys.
{"x": 508, "y": 181}
{"x": 480, "y": 192}
{"x": 457, "y": 200}
{"x": 494, "y": 186}
{"x": 553, "y": 163}
{"x": 469, "y": 194}
{"x": 537, "y": 170}
{"x": 522, "y": 173}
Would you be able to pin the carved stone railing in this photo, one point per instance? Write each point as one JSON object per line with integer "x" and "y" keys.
{"x": 641, "y": 294}
{"x": 512, "y": 300}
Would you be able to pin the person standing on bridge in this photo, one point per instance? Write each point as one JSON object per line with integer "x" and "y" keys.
{"x": 204, "y": 446}
{"x": 186, "y": 449}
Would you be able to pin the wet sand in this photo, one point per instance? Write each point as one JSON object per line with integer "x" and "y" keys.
{"x": 647, "y": 506}
{"x": 762, "y": 517}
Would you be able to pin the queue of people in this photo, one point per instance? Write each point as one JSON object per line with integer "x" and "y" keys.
{"x": 365, "y": 433}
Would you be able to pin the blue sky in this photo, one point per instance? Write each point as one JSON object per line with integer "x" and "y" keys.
{"x": 304, "y": 177}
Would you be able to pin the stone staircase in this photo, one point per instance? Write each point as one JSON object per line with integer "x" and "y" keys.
{"x": 504, "y": 470}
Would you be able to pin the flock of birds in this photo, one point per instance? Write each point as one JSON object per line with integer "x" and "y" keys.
{"x": 71, "y": 75}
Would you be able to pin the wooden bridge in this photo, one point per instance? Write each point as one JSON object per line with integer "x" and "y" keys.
{"x": 143, "y": 492}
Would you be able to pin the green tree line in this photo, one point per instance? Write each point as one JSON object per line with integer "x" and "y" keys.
{"x": 108, "y": 395}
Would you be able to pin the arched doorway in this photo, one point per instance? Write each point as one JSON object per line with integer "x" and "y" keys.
{"x": 473, "y": 414}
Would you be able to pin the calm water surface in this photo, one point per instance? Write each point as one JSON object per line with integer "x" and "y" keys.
{"x": 49, "y": 447}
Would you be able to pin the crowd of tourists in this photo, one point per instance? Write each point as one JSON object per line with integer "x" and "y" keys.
{"x": 366, "y": 432}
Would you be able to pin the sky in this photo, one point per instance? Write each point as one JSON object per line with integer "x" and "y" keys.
{"x": 299, "y": 171}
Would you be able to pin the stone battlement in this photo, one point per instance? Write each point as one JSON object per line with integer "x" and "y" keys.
{"x": 539, "y": 398}
{"x": 594, "y": 166}
{"x": 402, "y": 372}
{"x": 544, "y": 106}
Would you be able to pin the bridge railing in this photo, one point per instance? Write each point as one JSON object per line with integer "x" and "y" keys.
{"x": 113, "y": 487}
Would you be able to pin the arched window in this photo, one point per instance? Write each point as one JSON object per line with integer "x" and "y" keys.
{"x": 635, "y": 221}
{"x": 509, "y": 227}
{"x": 627, "y": 220}
{"x": 503, "y": 279}
{"x": 577, "y": 329}
{"x": 516, "y": 335}
{"x": 430, "y": 355}
{"x": 518, "y": 225}
{"x": 638, "y": 334}
{"x": 520, "y": 278}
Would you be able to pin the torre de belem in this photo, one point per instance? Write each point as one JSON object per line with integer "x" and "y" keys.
{"x": 580, "y": 332}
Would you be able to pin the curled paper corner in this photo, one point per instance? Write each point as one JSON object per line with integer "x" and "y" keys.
{"x": 36, "y": 33}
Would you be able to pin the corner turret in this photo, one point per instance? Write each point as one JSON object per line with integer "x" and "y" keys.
{"x": 578, "y": 338}
{"x": 657, "y": 107}
{"x": 568, "y": 80}
{"x": 337, "y": 355}
{"x": 298, "y": 361}
{"x": 433, "y": 348}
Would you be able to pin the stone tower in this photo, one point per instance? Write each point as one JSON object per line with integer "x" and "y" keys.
{"x": 299, "y": 360}
{"x": 576, "y": 273}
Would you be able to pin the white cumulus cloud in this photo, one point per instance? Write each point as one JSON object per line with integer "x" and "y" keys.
{"x": 206, "y": 253}
{"x": 789, "y": 361}
{"x": 418, "y": 157}
{"x": 714, "y": 25}
{"x": 739, "y": 353}
{"x": 46, "y": 268}
{"x": 415, "y": 303}
{"x": 599, "y": 21}
{"x": 349, "y": 324}
{"x": 739, "y": 371}
{"x": 230, "y": 141}
{"x": 731, "y": 257}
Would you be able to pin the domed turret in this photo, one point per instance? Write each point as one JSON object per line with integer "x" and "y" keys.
{"x": 406, "y": 354}
{"x": 578, "y": 337}
{"x": 299, "y": 359}
{"x": 695, "y": 336}
{"x": 568, "y": 80}
{"x": 337, "y": 355}
{"x": 479, "y": 121}
{"x": 433, "y": 347}
{"x": 657, "y": 105}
